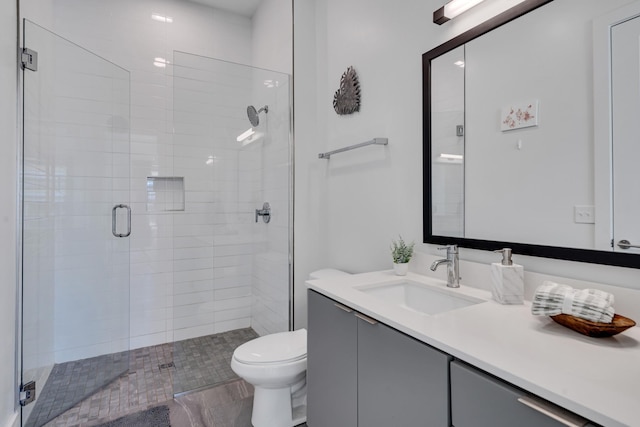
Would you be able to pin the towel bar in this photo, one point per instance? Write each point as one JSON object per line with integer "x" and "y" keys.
{"x": 376, "y": 141}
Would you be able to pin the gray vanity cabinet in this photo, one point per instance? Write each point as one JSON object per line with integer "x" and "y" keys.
{"x": 401, "y": 381}
{"x": 332, "y": 364}
{"x": 479, "y": 400}
{"x": 363, "y": 373}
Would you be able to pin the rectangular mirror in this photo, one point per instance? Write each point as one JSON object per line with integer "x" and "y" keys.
{"x": 509, "y": 136}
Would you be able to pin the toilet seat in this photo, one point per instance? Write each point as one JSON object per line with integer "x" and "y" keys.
{"x": 282, "y": 347}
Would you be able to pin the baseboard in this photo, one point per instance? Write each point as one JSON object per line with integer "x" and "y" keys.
{"x": 14, "y": 420}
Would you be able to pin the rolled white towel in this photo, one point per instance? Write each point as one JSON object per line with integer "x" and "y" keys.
{"x": 552, "y": 298}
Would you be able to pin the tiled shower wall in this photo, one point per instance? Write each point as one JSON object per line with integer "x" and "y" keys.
{"x": 199, "y": 270}
{"x": 270, "y": 300}
{"x": 225, "y": 182}
{"x": 212, "y": 238}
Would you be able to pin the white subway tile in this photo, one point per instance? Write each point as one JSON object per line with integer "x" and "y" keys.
{"x": 231, "y": 325}
{"x": 232, "y": 303}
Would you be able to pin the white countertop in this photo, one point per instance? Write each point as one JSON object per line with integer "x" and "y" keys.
{"x": 597, "y": 378}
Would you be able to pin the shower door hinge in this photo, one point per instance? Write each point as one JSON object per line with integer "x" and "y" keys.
{"x": 27, "y": 393}
{"x": 29, "y": 59}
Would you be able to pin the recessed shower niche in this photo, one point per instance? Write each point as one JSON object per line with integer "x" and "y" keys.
{"x": 165, "y": 193}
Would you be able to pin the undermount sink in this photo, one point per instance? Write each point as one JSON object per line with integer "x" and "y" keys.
{"x": 419, "y": 297}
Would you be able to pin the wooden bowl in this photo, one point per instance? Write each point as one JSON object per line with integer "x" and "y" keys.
{"x": 595, "y": 329}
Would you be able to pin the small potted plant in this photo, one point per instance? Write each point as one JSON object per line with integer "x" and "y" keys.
{"x": 401, "y": 254}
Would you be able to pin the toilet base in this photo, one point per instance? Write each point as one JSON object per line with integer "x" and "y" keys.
{"x": 299, "y": 415}
{"x": 272, "y": 408}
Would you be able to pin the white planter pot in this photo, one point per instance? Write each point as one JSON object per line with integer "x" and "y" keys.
{"x": 401, "y": 269}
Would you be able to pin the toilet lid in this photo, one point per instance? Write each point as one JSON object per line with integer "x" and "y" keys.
{"x": 274, "y": 348}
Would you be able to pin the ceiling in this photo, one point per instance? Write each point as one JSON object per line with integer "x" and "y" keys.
{"x": 241, "y": 7}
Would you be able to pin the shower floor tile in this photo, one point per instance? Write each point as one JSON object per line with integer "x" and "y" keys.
{"x": 155, "y": 374}
{"x": 200, "y": 362}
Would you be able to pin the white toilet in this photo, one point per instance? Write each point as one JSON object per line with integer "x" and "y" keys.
{"x": 276, "y": 366}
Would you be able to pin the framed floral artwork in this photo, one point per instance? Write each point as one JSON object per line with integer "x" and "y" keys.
{"x": 519, "y": 116}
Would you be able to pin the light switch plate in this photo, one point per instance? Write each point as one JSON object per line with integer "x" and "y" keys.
{"x": 584, "y": 214}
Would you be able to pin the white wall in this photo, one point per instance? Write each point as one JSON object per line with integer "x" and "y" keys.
{"x": 310, "y": 195}
{"x": 272, "y": 36}
{"x": 350, "y": 207}
{"x": 8, "y": 174}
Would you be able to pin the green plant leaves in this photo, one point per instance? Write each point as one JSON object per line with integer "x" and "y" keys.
{"x": 400, "y": 251}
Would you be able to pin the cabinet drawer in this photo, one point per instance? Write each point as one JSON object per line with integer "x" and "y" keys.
{"x": 479, "y": 400}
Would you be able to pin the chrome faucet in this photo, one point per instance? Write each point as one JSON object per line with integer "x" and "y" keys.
{"x": 452, "y": 261}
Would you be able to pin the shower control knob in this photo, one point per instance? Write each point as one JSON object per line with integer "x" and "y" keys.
{"x": 265, "y": 213}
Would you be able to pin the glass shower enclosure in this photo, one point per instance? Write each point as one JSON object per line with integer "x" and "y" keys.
{"x": 232, "y": 241}
{"x": 207, "y": 262}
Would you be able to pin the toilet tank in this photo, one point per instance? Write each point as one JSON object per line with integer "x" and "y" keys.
{"x": 327, "y": 273}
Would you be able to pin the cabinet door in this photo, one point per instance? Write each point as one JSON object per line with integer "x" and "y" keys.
{"x": 479, "y": 400}
{"x": 401, "y": 381}
{"x": 331, "y": 364}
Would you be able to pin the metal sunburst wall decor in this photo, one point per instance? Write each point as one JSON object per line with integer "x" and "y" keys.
{"x": 346, "y": 100}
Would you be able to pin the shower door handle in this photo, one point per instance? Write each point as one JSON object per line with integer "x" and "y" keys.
{"x": 114, "y": 221}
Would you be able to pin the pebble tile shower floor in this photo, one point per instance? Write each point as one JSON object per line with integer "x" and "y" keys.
{"x": 155, "y": 373}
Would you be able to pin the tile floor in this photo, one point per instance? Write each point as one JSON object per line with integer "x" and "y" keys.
{"x": 75, "y": 395}
{"x": 227, "y": 405}
{"x": 200, "y": 362}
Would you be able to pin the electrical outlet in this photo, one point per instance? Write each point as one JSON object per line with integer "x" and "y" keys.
{"x": 584, "y": 214}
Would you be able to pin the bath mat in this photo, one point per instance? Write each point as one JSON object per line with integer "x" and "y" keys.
{"x": 158, "y": 416}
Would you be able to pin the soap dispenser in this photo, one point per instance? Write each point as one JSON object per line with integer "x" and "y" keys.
{"x": 507, "y": 279}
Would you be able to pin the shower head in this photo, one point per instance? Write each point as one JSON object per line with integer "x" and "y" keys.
{"x": 253, "y": 114}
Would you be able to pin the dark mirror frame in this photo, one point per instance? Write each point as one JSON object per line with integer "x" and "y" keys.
{"x": 557, "y": 252}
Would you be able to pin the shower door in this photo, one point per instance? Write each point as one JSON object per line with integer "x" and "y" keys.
{"x": 75, "y": 223}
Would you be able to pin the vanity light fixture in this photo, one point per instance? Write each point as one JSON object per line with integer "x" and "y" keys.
{"x": 452, "y": 9}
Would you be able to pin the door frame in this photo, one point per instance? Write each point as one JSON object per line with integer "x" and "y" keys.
{"x": 602, "y": 122}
